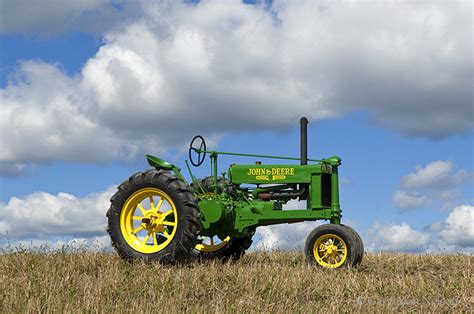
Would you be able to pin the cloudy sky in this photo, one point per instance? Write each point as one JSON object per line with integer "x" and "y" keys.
{"x": 88, "y": 87}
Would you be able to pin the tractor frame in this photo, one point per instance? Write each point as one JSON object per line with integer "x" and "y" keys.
{"x": 276, "y": 184}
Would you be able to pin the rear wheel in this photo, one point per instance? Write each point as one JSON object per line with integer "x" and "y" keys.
{"x": 153, "y": 216}
{"x": 205, "y": 187}
{"x": 228, "y": 248}
{"x": 211, "y": 244}
{"x": 331, "y": 246}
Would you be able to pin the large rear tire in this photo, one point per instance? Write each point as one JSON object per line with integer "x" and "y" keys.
{"x": 154, "y": 217}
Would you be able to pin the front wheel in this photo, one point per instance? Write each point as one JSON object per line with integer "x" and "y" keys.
{"x": 359, "y": 243}
{"x": 332, "y": 246}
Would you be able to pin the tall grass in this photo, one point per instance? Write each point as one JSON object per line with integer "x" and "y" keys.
{"x": 273, "y": 282}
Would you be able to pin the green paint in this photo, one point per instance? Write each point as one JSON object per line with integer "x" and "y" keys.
{"x": 274, "y": 174}
{"x": 223, "y": 214}
{"x": 271, "y": 186}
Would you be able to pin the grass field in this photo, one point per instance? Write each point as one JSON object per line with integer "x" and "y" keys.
{"x": 274, "y": 282}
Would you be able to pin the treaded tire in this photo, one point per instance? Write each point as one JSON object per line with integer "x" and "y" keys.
{"x": 189, "y": 224}
{"x": 207, "y": 184}
{"x": 359, "y": 243}
{"x": 341, "y": 231}
{"x": 236, "y": 247}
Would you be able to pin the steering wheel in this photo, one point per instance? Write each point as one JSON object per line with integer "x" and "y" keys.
{"x": 199, "y": 148}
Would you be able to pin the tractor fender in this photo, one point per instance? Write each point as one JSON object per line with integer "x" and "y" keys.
{"x": 159, "y": 163}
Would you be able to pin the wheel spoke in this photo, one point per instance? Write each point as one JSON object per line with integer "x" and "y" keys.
{"x": 135, "y": 231}
{"x": 168, "y": 223}
{"x": 166, "y": 234}
{"x": 324, "y": 256}
{"x": 146, "y": 238}
{"x": 169, "y": 212}
{"x": 140, "y": 207}
{"x": 157, "y": 208}
{"x": 137, "y": 218}
{"x": 151, "y": 202}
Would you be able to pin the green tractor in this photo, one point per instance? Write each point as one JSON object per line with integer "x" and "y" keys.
{"x": 157, "y": 215}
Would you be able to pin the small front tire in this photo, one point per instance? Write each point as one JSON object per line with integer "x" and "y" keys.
{"x": 359, "y": 244}
{"x": 331, "y": 246}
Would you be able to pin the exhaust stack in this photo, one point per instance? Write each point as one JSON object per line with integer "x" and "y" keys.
{"x": 304, "y": 141}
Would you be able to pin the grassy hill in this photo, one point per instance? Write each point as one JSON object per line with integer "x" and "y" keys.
{"x": 274, "y": 282}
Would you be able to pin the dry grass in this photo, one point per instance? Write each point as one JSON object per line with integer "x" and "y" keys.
{"x": 273, "y": 282}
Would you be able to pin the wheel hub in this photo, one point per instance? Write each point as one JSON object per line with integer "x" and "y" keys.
{"x": 153, "y": 222}
{"x": 331, "y": 249}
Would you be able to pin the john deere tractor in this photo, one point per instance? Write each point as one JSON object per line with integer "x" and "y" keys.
{"x": 156, "y": 215}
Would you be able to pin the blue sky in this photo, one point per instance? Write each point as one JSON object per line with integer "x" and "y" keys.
{"x": 403, "y": 130}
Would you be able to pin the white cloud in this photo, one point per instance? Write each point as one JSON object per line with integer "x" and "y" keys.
{"x": 438, "y": 173}
{"x": 459, "y": 227}
{"x": 436, "y": 181}
{"x": 40, "y": 119}
{"x": 405, "y": 200}
{"x": 222, "y": 66}
{"x": 284, "y": 236}
{"x": 396, "y": 237}
{"x": 42, "y": 214}
{"x": 455, "y": 234}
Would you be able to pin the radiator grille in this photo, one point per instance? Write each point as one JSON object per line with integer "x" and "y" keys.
{"x": 326, "y": 190}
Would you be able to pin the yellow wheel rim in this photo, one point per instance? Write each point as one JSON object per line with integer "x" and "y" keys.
{"x": 148, "y": 220}
{"x": 330, "y": 251}
{"x": 211, "y": 244}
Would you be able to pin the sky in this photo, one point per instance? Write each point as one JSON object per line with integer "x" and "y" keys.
{"x": 88, "y": 87}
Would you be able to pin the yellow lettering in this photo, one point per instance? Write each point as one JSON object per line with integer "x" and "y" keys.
{"x": 275, "y": 172}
